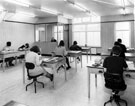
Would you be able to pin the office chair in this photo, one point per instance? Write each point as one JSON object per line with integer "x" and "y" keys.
{"x": 116, "y": 83}
{"x": 30, "y": 66}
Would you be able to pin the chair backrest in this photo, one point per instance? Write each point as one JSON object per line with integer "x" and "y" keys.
{"x": 114, "y": 81}
{"x": 29, "y": 66}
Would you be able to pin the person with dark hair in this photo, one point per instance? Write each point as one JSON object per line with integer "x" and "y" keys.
{"x": 123, "y": 47}
{"x": 114, "y": 63}
{"x": 75, "y": 47}
{"x": 33, "y": 57}
{"x": 8, "y": 48}
{"x": 53, "y": 40}
{"x": 60, "y": 51}
{"x": 24, "y": 47}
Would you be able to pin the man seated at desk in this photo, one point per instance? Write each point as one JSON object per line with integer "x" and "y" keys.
{"x": 75, "y": 47}
{"x": 8, "y": 48}
{"x": 115, "y": 64}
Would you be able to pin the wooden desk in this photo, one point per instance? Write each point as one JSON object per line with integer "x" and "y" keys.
{"x": 15, "y": 54}
{"x": 75, "y": 54}
{"x": 53, "y": 62}
{"x": 129, "y": 50}
{"x": 129, "y": 56}
{"x": 87, "y": 50}
{"x": 99, "y": 70}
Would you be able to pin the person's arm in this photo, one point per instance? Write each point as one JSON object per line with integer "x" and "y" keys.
{"x": 65, "y": 52}
{"x": 38, "y": 60}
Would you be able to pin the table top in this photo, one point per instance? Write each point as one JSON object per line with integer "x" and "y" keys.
{"x": 52, "y": 60}
{"x": 126, "y": 54}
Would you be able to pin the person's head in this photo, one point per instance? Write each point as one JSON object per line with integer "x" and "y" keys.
{"x": 35, "y": 49}
{"x": 8, "y": 43}
{"x": 116, "y": 50}
{"x": 75, "y": 43}
{"x": 116, "y": 43}
{"x": 119, "y": 40}
{"x": 61, "y": 43}
{"x": 26, "y": 45}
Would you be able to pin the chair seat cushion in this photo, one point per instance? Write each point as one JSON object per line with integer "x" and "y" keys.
{"x": 35, "y": 76}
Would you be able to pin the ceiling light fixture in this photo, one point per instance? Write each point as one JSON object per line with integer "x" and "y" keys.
{"x": 80, "y": 7}
{"x": 49, "y": 11}
{"x": 18, "y": 2}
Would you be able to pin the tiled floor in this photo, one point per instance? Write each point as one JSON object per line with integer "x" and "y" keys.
{"x": 72, "y": 92}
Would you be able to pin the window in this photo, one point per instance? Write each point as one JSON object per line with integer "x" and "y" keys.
{"x": 122, "y": 30}
{"x": 58, "y": 33}
{"x": 88, "y": 34}
{"x": 79, "y": 34}
{"x": 40, "y": 33}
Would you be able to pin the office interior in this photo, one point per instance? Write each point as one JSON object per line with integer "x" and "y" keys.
{"x": 36, "y": 21}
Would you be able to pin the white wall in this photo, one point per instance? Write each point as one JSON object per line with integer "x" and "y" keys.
{"x": 17, "y": 33}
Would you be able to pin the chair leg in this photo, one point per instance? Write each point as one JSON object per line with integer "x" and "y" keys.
{"x": 35, "y": 86}
{"x": 124, "y": 101}
{"x": 40, "y": 83}
{"x": 109, "y": 101}
{"x": 29, "y": 84}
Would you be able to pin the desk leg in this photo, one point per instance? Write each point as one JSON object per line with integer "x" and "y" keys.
{"x": 3, "y": 67}
{"x": 23, "y": 72}
{"x": 81, "y": 61}
{"x": 88, "y": 84}
{"x": 76, "y": 63}
{"x": 87, "y": 57}
{"x": 65, "y": 72}
{"x": 96, "y": 80}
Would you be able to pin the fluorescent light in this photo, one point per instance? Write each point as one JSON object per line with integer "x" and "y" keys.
{"x": 18, "y": 3}
{"x": 25, "y": 13}
{"x": 79, "y": 7}
{"x": 49, "y": 11}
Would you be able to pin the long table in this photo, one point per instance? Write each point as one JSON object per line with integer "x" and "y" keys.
{"x": 129, "y": 56}
{"x": 7, "y": 54}
{"x": 75, "y": 54}
{"x": 51, "y": 62}
{"x": 99, "y": 70}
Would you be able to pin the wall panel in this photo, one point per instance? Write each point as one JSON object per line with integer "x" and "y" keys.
{"x": 17, "y": 33}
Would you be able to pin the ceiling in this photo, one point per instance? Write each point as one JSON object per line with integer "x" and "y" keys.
{"x": 99, "y": 7}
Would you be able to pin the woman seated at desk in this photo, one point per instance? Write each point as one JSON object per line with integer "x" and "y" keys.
{"x": 8, "y": 48}
{"x": 60, "y": 51}
{"x": 33, "y": 57}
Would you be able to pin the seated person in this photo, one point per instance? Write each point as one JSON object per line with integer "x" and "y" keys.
{"x": 8, "y": 48}
{"x": 116, "y": 64}
{"x": 24, "y": 47}
{"x": 60, "y": 50}
{"x": 75, "y": 47}
{"x": 53, "y": 40}
{"x": 34, "y": 57}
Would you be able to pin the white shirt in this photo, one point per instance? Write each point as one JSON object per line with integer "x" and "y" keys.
{"x": 33, "y": 58}
{"x": 60, "y": 51}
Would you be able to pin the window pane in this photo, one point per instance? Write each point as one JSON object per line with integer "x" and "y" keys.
{"x": 122, "y": 26}
{"x": 79, "y": 28}
{"x": 93, "y": 39}
{"x": 123, "y": 32}
{"x": 93, "y": 27}
{"x": 79, "y": 37}
{"x": 124, "y": 35}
